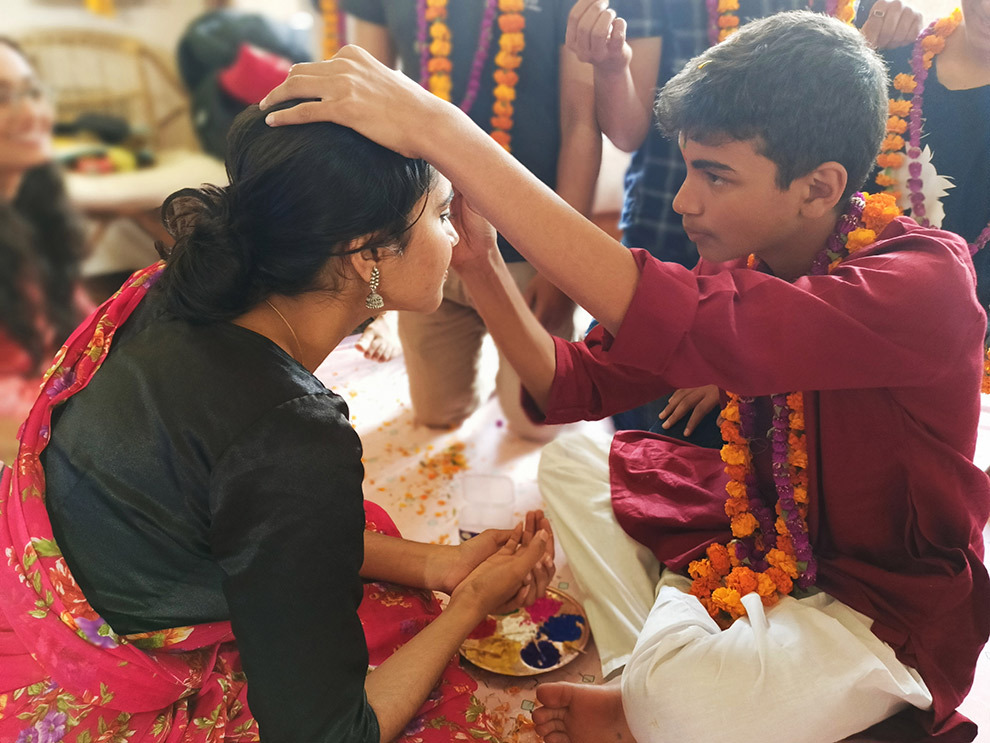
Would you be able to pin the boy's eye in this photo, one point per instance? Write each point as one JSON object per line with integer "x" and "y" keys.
{"x": 714, "y": 178}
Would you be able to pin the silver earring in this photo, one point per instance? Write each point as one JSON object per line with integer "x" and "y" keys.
{"x": 374, "y": 300}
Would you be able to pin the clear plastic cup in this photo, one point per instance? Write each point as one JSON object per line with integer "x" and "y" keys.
{"x": 487, "y": 502}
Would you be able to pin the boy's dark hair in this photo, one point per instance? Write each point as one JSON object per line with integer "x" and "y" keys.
{"x": 806, "y": 87}
{"x": 298, "y": 196}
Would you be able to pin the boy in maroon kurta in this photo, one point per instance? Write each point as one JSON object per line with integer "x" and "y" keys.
{"x": 834, "y": 549}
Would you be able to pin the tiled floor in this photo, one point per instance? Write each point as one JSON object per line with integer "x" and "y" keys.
{"x": 405, "y": 468}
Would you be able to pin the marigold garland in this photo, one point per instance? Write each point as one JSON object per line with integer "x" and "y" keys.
{"x": 770, "y": 552}
{"x": 436, "y": 67}
{"x": 331, "y": 28}
{"x": 723, "y": 18}
{"x": 905, "y": 116}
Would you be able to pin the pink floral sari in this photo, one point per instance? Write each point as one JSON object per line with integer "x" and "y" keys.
{"x": 66, "y": 676}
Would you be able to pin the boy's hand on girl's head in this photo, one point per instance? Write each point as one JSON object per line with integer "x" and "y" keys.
{"x": 356, "y": 90}
{"x": 891, "y": 24}
{"x": 698, "y": 401}
{"x": 596, "y": 35}
{"x": 478, "y": 240}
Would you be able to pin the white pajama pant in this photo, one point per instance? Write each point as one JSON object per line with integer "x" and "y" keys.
{"x": 804, "y": 671}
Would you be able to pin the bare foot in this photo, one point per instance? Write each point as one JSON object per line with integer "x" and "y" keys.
{"x": 380, "y": 340}
{"x": 581, "y": 713}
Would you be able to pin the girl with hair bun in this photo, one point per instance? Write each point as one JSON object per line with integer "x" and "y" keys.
{"x": 189, "y": 555}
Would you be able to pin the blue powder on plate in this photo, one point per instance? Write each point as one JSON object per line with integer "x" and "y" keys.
{"x": 540, "y": 654}
{"x": 563, "y": 628}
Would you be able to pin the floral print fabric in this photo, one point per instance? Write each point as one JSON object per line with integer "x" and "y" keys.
{"x": 66, "y": 676}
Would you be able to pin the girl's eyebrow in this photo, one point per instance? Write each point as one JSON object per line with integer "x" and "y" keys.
{"x": 450, "y": 197}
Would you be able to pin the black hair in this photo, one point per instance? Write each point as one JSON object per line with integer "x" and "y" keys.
{"x": 298, "y": 196}
{"x": 806, "y": 88}
{"x": 42, "y": 243}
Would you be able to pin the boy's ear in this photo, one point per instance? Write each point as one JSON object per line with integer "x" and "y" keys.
{"x": 824, "y": 187}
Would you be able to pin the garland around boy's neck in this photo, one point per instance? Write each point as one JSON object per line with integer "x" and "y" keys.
{"x": 771, "y": 550}
{"x": 723, "y": 20}
{"x": 436, "y": 66}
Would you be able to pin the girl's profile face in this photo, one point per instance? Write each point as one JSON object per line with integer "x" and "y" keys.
{"x": 413, "y": 280}
{"x": 26, "y": 115}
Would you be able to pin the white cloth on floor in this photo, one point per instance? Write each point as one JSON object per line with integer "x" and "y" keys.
{"x": 804, "y": 671}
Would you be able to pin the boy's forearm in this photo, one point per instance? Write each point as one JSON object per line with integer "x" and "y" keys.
{"x": 526, "y": 344}
{"x": 619, "y": 109}
{"x": 585, "y": 263}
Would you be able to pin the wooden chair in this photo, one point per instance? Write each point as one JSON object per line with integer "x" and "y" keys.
{"x": 93, "y": 71}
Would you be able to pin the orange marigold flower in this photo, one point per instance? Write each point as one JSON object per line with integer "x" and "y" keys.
{"x": 860, "y": 238}
{"x": 735, "y": 454}
{"x": 766, "y": 588}
{"x": 512, "y": 6}
{"x": 725, "y": 33}
{"x": 781, "y": 526}
{"x": 846, "y": 14}
{"x": 506, "y": 77}
{"x": 883, "y": 180}
{"x": 742, "y": 580}
{"x": 503, "y": 138}
{"x": 934, "y": 44}
{"x": 796, "y": 419}
{"x": 744, "y": 524}
{"x": 507, "y": 60}
{"x": 729, "y": 600}
{"x": 897, "y": 125}
{"x": 704, "y": 586}
{"x": 440, "y": 48}
{"x": 736, "y": 506}
{"x": 731, "y": 411}
{"x": 893, "y": 142}
{"x": 736, "y": 489}
{"x": 879, "y": 211}
{"x": 905, "y": 83}
{"x": 503, "y": 108}
{"x": 890, "y": 160}
{"x": 795, "y": 401}
{"x": 511, "y": 22}
{"x": 780, "y": 579}
{"x": 730, "y": 433}
{"x": 945, "y": 26}
{"x": 433, "y": 13}
{"x": 785, "y": 544}
{"x": 728, "y": 6}
{"x": 501, "y": 122}
{"x": 728, "y": 21}
{"x": 700, "y": 568}
{"x": 440, "y": 86}
{"x": 718, "y": 555}
{"x": 780, "y": 559}
{"x": 736, "y": 471}
{"x": 800, "y": 494}
{"x": 797, "y": 457}
{"x": 439, "y": 64}
{"x": 505, "y": 93}
{"x": 439, "y": 31}
{"x": 898, "y": 108}
{"x": 513, "y": 43}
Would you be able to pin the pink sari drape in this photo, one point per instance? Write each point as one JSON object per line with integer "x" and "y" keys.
{"x": 66, "y": 676}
